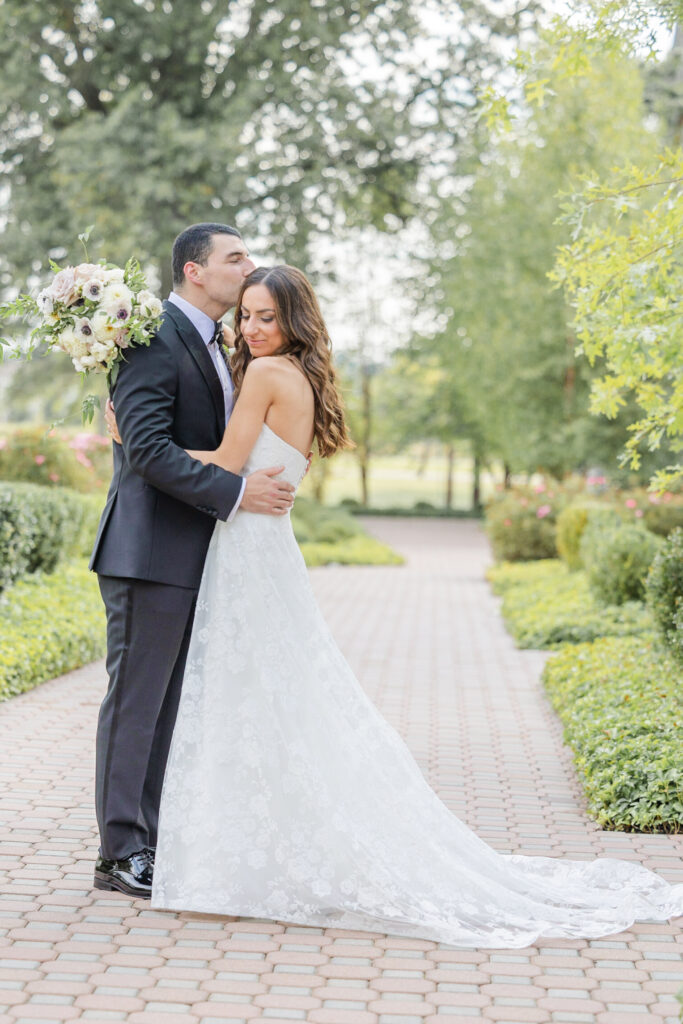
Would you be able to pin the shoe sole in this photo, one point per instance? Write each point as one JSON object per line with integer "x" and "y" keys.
{"x": 106, "y": 883}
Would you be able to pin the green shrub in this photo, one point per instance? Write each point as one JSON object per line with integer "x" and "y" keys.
{"x": 620, "y": 564}
{"x": 81, "y": 461}
{"x": 359, "y": 550}
{"x": 621, "y": 703}
{"x": 328, "y": 535}
{"x": 39, "y": 526}
{"x": 92, "y": 505}
{"x": 507, "y": 575}
{"x": 572, "y": 523}
{"x": 601, "y": 521}
{"x": 312, "y": 522}
{"x": 544, "y": 604}
{"x": 663, "y": 515}
{"x": 664, "y": 589}
{"x": 50, "y": 625}
{"x": 521, "y": 524}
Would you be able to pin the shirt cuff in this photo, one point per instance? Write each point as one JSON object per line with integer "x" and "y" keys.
{"x": 238, "y": 502}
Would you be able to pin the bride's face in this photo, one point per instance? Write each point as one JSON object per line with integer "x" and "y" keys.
{"x": 259, "y": 325}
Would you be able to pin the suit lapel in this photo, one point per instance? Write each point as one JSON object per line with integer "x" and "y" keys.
{"x": 192, "y": 340}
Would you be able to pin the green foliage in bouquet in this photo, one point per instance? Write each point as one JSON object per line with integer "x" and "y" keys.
{"x": 544, "y": 605}
{"x": 50, "y": 625}
{"x": 664, "y": 588}
{"x": 620, "y": 564}
{"x": 621, "y": 703}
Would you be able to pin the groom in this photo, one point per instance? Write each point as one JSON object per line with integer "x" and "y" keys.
{"x": 153, "y": 537}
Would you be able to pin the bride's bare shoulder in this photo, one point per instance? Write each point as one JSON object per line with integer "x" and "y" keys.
{"x": 278, "y": 370}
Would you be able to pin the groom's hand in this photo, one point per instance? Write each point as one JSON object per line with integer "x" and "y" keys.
{"x": 265, "y": 495}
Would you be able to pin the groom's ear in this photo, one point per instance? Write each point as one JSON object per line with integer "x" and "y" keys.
{"x": 192, "y": 272}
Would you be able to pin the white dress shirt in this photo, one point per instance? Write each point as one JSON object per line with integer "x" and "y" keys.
{"x": 206, "y": 327}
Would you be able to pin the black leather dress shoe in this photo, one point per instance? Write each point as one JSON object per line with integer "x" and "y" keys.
{"x": 132, "y": 875}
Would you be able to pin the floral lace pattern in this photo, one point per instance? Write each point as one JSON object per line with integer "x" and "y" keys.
{"x": 287, "y": 795}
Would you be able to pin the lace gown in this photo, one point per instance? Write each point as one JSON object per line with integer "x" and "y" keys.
{"x": 287, "y": 795}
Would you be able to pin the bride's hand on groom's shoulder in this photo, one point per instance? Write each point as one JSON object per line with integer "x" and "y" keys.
{"x": 266, "y": 495}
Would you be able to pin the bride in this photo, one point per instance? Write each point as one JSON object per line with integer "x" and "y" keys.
{"x": 287, "y": 795}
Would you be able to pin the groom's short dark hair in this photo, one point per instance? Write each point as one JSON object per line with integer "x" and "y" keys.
{"x": 194, "y": 244}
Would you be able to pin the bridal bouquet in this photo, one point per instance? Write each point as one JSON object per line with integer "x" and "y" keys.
{"x": 93, "y": 312}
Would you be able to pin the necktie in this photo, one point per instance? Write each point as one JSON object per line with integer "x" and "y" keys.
{"x": 218, "y": 335}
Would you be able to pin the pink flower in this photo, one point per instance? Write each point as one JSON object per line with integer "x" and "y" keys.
{"x": 668, "y": 495}
{"x": 639, "y": 513}
{"x": 64, "y": 288}
{"x": 653, "y": 499}
{"x": 539, "y": 488}
{"x": 631, "y": 503}
{"x": 543, "y": 511}
{"x": 507, "y": 522}
{"x": 84, "y": 460}
{"x": 39, "y": 460}
{"x": 54, "y": 477}
{"x": 524, "y": 502}
{"x": 3, "y": 443}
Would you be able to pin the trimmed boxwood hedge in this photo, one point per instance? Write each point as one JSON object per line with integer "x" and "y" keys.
{"x": 42, "y": 526}
{"x": 50, "y": 625}
{"x": 544, "y": 605}
{"x": 621, "y": 703}
{"x": 359, "y": 550}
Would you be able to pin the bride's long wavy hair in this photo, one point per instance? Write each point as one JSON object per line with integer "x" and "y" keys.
{"x": 306, "y": 339}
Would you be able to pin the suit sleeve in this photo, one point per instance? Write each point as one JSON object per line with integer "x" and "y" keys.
{"x": 144, "y": 395}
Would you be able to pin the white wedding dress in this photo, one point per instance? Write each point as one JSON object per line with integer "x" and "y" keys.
{"x": 287, "y": 796}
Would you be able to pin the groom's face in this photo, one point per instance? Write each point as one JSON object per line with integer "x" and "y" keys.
{"x": 226, "y": 267}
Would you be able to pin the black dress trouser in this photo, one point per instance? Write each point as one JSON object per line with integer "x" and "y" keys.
{"x": 148, "y": 634}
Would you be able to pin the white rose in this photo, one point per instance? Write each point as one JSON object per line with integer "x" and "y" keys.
{"x": 68, "y": 341}
{"x": 117, "y": 291}
{"x": 149, "y": 304}
{"x": 102, "y": 350}
{"x": 78, "y": 365}
{"x": 88, "y": 362}
{"x": 115, "y": 275}
{"x": 103, "y": 327}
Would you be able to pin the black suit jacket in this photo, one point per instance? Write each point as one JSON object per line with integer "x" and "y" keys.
{"x": 162, "y": 505}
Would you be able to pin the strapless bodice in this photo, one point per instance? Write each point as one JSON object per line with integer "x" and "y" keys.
{"x": 271, "y": 450}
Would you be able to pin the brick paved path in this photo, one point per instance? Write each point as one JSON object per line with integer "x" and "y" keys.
{"x": 428, "y": 643}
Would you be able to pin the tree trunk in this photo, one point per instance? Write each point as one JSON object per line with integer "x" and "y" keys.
{"x": 450, "y": 464}
{"x": 476, "y": 481}
{"x": 319, "y": 473}
{"x": 364, "y": 446}
{"x": 166, "y": 276}
{"x": 507, "y": 480}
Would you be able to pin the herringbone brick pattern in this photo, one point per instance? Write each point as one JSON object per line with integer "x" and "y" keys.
{"x": 428, "y": 643}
